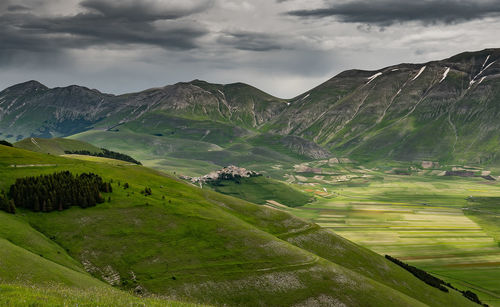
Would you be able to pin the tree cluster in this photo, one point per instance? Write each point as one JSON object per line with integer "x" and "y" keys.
{"x": 7, "y": 204}
{"x": 5, "y": 143}
{"x": 473, "y": 297}
{"x": 59, "y": 191}
{"x": 434, "y": 281}
{"x": 105, "y": 154}
{"x": 146, "y": 191}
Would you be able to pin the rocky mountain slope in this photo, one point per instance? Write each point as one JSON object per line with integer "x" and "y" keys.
{"x": 32, "y": 109}
{"x": 442, "y": 111}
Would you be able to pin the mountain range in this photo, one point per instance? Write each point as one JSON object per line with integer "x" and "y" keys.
{"x": 441, "y": 111}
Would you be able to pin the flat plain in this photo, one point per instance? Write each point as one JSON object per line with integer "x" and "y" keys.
{"x": 445, "y": 225}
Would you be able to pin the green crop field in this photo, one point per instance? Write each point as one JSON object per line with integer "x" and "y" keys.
{"x": 448, "y": 226}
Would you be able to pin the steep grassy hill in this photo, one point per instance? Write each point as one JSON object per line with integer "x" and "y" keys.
{"x": 55, "y": 146}
{"x": 192, "y": 245}
{"x": 260, "y": 190}
{"x": 198, "y": 154}
{"x": 36, "y": 271}
{"x": 14, "y": 295}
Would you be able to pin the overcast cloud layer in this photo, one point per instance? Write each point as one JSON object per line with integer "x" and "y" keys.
{"x": 284, "y": 47}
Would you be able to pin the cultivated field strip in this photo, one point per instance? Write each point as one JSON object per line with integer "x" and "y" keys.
{"x": 439, "y": 239}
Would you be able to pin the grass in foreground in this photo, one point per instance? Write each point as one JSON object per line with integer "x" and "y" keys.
{"x": 13, "y": 295}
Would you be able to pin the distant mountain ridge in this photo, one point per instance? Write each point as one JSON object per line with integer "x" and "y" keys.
{"x": 442, "y": 110}
{"x": 32, "y": 109}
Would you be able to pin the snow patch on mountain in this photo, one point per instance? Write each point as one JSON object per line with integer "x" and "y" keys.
{"x": 481, "y": 72}
{"x": 445, "y": 74}
{"x": 370, "y": 79}
{"x": 488, "y": 66}
{"x": 419, "y": 73}
{"x": 486, "y": 61}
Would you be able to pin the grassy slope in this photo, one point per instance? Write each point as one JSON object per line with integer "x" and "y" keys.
{"x": 261, "y": 189}
{"x": 334, "y": 248}
{"x": 55, "y": 146}
{"x": 16, "y": 295}
{"x": 209, "y": 242}
{"x": 191, "y": 156}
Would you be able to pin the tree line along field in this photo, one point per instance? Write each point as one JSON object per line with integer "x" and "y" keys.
{"x": 448, "y": 226}
{"x": 186, "y": 243}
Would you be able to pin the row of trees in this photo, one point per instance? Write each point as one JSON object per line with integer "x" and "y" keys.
{"x": 59, "y": 191}
{"x": 5, "y": 143}
{"x": 420, "y": 274}
{"x": 105, "y": 154}
{"x": 434, "y": 281}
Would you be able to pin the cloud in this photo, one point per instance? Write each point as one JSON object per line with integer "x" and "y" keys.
{"x": 17, "y": 7}
{"x": 104, "y": 23}
{"x": 146, "y": 10}
{"x": 389, "y": 12}
{"x": 252, "y": 41}
{"x": 126, "y": 45}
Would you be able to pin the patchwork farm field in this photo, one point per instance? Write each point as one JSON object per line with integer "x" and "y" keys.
{"x": 448, "y": 226}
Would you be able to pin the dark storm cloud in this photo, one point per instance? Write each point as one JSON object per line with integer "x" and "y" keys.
{"x": 104, "y": 23}
{"x": 16, "y": 8}
{"x": 143, "y": 10}
{"x": 252, "y": 41}
{"x": 388, "y": 12}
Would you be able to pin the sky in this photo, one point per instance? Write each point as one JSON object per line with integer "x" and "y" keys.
{"x": 284, "y": 47}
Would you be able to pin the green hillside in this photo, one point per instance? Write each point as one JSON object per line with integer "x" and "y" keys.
{"x": 55, "y": 146}
{"x": 194, "y": 152}
{"x": 35, "y": 271}
{"x": 14, "y": 295}
{"x": 192, "y": 245}
{"x": 260, "y": 190}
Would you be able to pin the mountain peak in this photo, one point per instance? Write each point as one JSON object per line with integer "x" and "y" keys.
{"x": 31, "y": 85}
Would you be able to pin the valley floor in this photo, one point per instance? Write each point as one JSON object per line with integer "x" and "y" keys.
{"x": 425, "y": 220}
